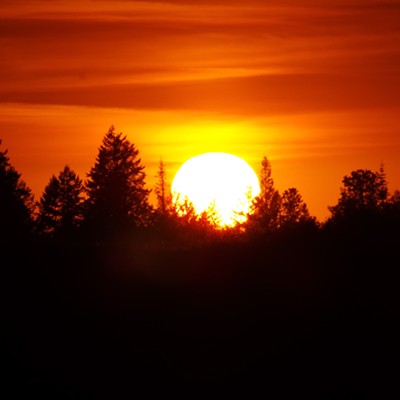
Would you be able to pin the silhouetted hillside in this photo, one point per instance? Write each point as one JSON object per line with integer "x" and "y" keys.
{"x": 307, "y": 311}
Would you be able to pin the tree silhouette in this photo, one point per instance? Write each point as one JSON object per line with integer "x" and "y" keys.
{"x": 264, "y": 211}
{"x": 362, "y": 191}
{"x": 61, "y": 205}
{"x": 163, "y": 198}
{"x": 16, "y": 203}
{"x": 293, "y": 208}
{"x": 117, "y": 197}
{"x": 190, "y": 228}
{"x": 394, "y": 199}
{"x": 393, "y": 208}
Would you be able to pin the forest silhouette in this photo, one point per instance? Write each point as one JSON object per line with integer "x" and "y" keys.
{"x": 108, "y": 296}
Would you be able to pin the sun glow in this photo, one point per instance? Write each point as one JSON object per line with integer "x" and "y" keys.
{"x": 220, "y": 182}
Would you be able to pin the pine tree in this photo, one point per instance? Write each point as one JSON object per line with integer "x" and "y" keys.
{"x": 162, "y": 190}
{"x": 16, "y": 203}
{"x": 61, "y": 205}
{"x": 382, "y": 187}
{"x": 117, "y": 197}
{"x": 264, "y": 211}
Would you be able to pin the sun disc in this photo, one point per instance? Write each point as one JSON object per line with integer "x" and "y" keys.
{"x": 221, "y": 181}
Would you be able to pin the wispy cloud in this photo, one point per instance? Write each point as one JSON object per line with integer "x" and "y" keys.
{"x": 155, "y": 51}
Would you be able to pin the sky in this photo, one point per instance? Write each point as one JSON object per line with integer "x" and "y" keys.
{"x": 312, "y": 85}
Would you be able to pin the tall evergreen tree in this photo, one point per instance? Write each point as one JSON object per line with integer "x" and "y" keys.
{"x": 162, "y": 190}
{"x": 382, "y": 187}
{"x": 61, "y": 205}
{"x": 16, "y": 203}
{"x": 117, "y": 196}
{"x": 264, "y": 212}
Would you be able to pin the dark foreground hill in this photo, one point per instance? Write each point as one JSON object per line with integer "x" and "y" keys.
{"x": 296, "y": 314}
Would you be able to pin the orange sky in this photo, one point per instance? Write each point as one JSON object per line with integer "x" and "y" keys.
{"x": 311, "y": 85}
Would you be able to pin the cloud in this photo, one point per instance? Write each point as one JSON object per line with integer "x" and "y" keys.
{"x": 255, "y": 95}
{"x": 221, "y": 56}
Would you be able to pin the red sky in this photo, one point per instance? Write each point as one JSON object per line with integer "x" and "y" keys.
{"x": 313, "y": 85}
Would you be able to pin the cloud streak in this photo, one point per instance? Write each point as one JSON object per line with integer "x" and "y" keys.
{"x": 160, "y": 50}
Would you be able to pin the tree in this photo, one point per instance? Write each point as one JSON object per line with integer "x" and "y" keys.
{"x": 188, "y": 228}
{"x": 362, "y": 191}
{"x": 61, "y": 205}
{"x": 163, "y": 200}
{"x": 117, "y": 197}
{"x": 293, "y": 208}
{"x": 16, "y": 203}
{"x": 382, "y": 187}
{"x": 394, "y": 200}
{"x": 264, "y": 211}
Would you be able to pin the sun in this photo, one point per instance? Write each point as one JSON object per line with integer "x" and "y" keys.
{"x": 220, "y": 181}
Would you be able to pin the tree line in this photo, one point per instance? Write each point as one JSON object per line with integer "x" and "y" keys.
{"x": 106, "y": 295}
{"x": 113, "y": 201}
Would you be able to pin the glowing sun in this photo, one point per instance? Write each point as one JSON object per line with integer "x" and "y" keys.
{"x": 219, "y": 181}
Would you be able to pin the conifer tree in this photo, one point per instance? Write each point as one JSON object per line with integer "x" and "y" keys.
{"x": 264, "y": 211}
{"x": 117, "y": 196}
{"x": 16, "y": 203}
{"x": 61, "y": 205}
{"x": 162, "y": 190}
